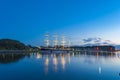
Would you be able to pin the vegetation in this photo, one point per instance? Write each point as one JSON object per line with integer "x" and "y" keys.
{"x": 9, "y": 44}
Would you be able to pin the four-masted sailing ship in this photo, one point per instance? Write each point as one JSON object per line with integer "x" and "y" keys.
{"x": 57, "y": 43}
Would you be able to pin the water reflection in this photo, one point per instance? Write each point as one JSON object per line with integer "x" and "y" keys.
{"x": 38, "y": 56}
{"x": 100, "y": 70}
{"x": 69, "y": 58}
{"x": 63, "y": 62}
{"x": 46, "y": 64}
{"x": 54, "y": 59}
{"x": 55, "y": 62}
{"x": 11, "y": 57}
{"x": 94, "y": 65}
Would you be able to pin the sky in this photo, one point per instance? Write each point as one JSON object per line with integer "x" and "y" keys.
{"x": 29, "y": 20}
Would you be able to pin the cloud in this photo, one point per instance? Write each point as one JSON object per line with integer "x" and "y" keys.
{"x": 92, "y": 40}
{"x": 96, "y": 41}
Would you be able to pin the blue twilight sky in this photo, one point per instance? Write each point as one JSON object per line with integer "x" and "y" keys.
{"x": 29, "y": 20}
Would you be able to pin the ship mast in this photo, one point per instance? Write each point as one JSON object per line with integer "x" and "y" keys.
{"x": 55, "y": 41}
{"x": 63, "y": 42}
{"x": 47, "y": 41}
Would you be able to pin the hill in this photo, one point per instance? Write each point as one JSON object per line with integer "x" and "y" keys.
{"x": 9, "y": 44}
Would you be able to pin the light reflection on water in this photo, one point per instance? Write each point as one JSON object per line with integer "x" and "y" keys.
{"x": 60, "y": 66}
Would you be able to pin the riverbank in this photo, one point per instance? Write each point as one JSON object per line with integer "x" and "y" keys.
{"x": 18, "y": 51}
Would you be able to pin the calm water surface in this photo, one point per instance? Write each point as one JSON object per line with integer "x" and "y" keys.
{"x": 60, "y": 66}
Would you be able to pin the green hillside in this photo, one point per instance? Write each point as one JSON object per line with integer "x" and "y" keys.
{"x": 8, "y": 44}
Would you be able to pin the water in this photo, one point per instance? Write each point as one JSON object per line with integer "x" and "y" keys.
{"x": 60, "y": 66}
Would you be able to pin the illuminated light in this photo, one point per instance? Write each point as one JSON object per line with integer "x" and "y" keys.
{"x": 97, "y": 48}
{"x": 73, "y": 49}
{"x": 63, "y": 42}
{"x": 68, "y": 54}
{"x": 69, "y": 58}
{"x": 73, "y": 54}
{"x": 97, "y": 54}
{"x": 46, "y": 65}
{"x": 55, "y": 61}
{"x": 39, "y": 56}
{"x": 46, "y": 61}
{"x": 111, "y": 54}
{"x": 47, "y": 41}
{"x": 111, "y": 49}
{"x": 55, "y": 41}
{"x": 63, "y": 62}
{"x": 100, "y": 70}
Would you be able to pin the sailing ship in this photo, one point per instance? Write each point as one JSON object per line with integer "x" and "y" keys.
{"x": 58, "y": 43}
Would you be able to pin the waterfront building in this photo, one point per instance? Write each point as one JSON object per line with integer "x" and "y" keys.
{"x": 93, "y": 48}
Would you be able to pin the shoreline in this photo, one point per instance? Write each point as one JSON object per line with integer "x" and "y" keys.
{"x": 17, "y": 51}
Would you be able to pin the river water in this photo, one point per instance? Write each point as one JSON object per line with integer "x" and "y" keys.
{"x": 60, "y": 66}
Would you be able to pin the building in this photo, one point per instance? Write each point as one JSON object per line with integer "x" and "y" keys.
{"x": 93, "y": 48}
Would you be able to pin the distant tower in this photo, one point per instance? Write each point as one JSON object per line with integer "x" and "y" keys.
{"x": 55, "y": 41}
{"x": 63, "y": 42}
{"x": 47, "y": 41}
